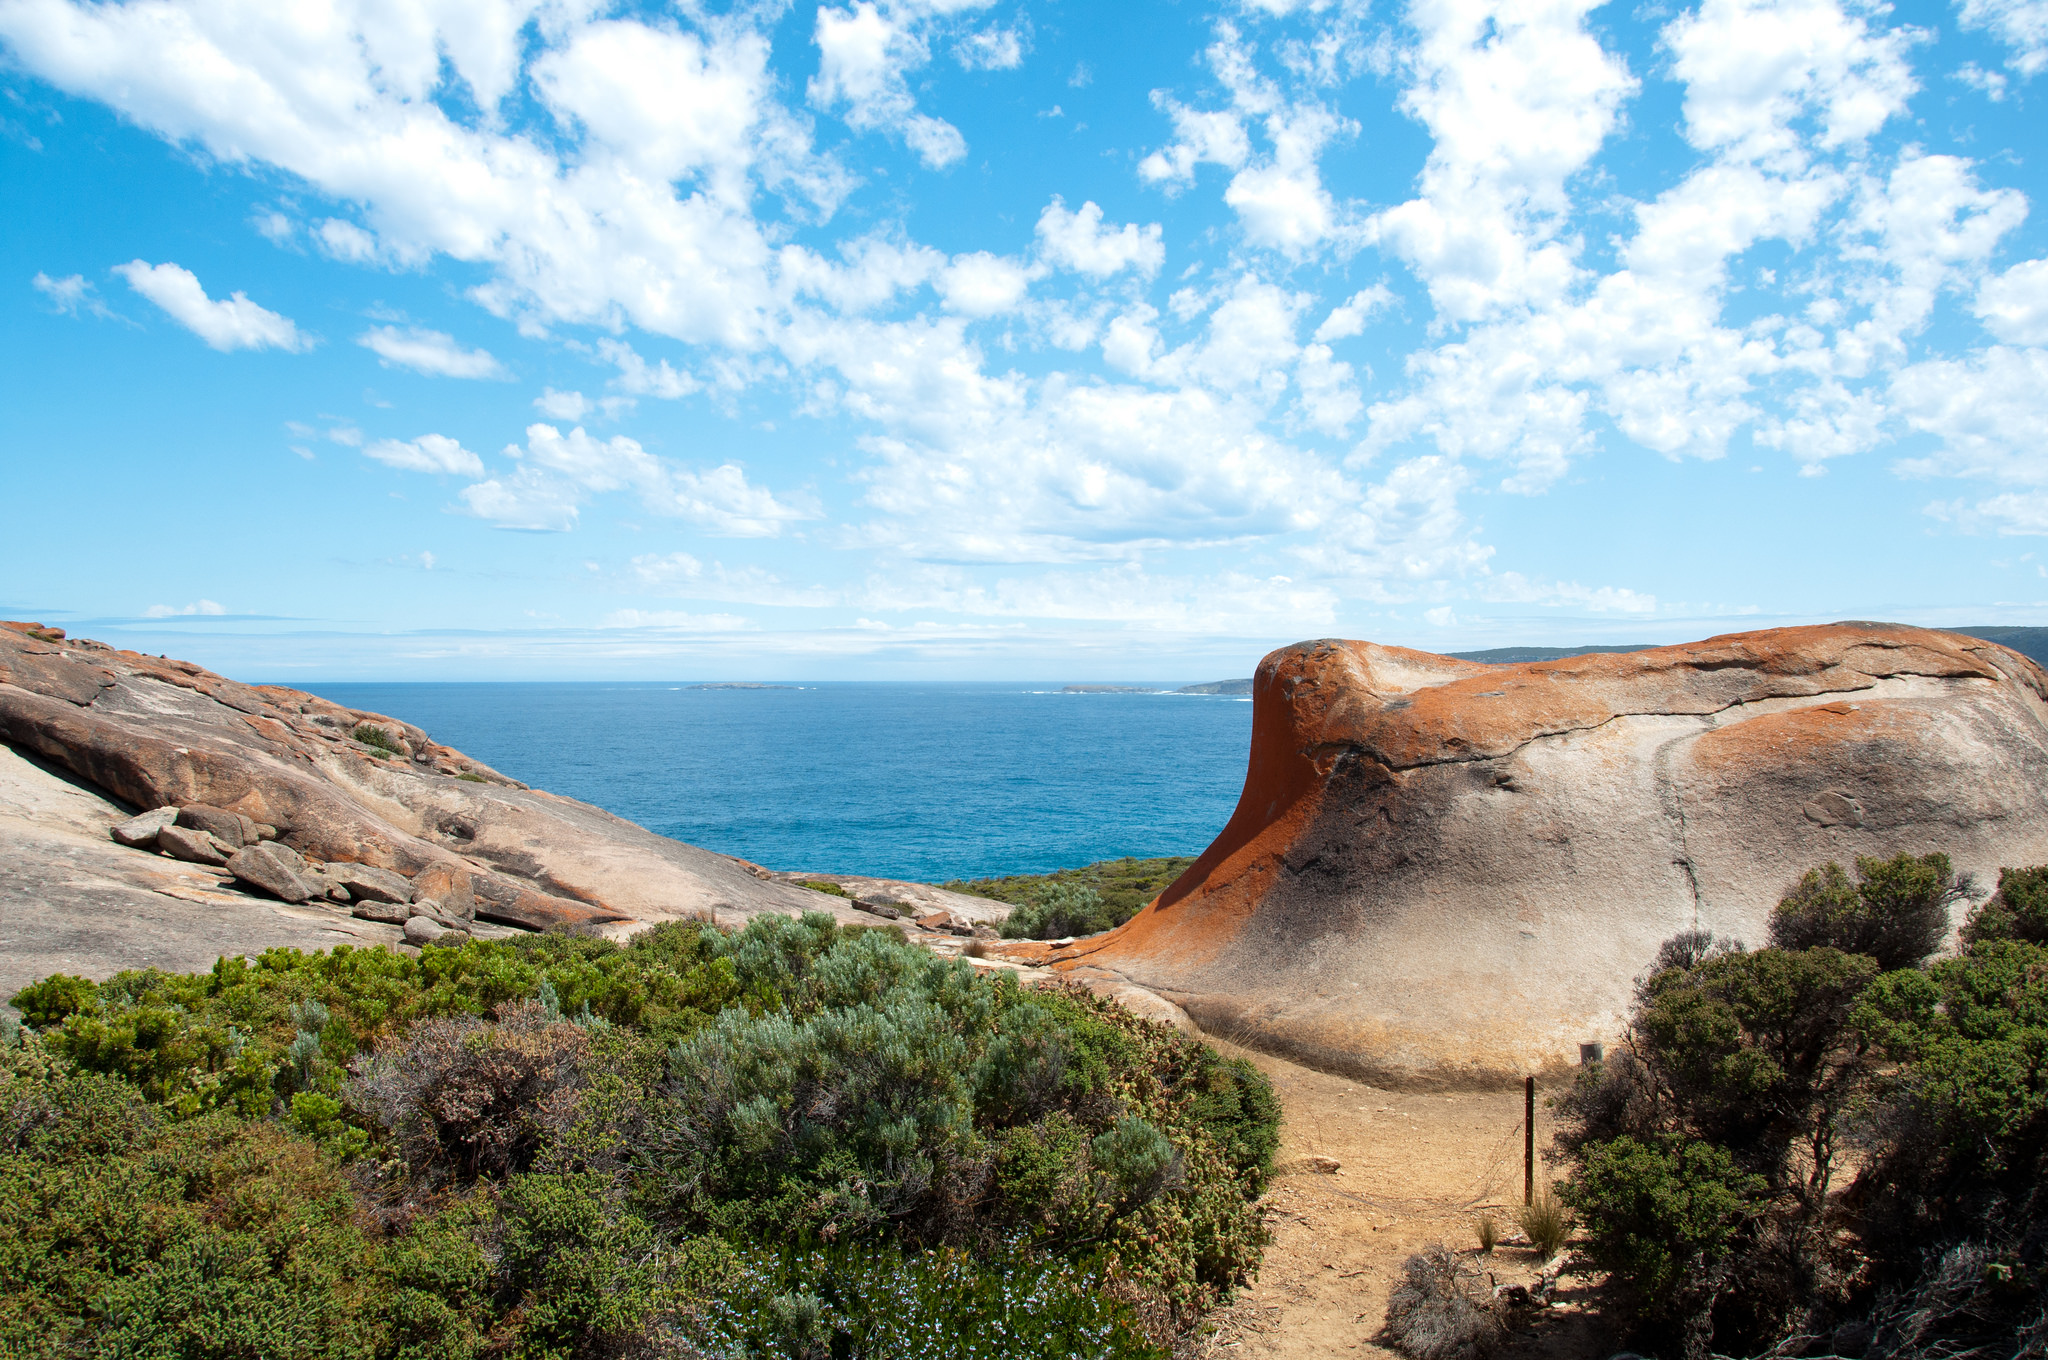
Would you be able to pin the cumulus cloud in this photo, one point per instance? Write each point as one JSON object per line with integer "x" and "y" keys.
{"x": 865, "y": 52}
{"x": 1049, "y": 406}
{"x": 559, "y": 472}
{"x": 434, "y": 353}
{"x": 1079, "y": 241}
{"x": 428, "y": 453}
{"x": 2014, "y": 305}
{"x": 2022, "y": 25}
{"x": 229, "y": 323}
{"x": 1277, "y": 192}
{"x": 981, "y": 284}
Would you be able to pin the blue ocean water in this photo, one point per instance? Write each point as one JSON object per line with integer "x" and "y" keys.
{"x": 928, "y": 782}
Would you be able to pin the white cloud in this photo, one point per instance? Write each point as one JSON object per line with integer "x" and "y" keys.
{"x": 1349, "y": 318}
{"x": 230, "y": 324}
{"x": 1752, "y": 67}
{"x": 1078, "y": 241}
{"x": 345, "y": 241}
{"x": 1518, "y": 103}
{"x": 560, "y": 471}
{"x": 683, "y": 575}
{"x": 641, "y": 379}
{"x": 982, "y": 284}
{"x": 864, "y": 52}
{"x": 563, "y": 405}
{"x": 1228, "y": 603}
{"x": 66, "y": 295}
{"x": 433, "y": 353}
{"x": 529, "y": 499}
{"x": 675, "y": 620}
{"x": 275, "y": 228}
{"x": 1213, "y": 137}
{"x": 1989, "y": 412}
{"x": 165, "y": 611}
{"x": 2021, "y": 25}
{"x": 428, "y": 453}
{"x": 991, "y": 49}
{"x": 2014, "y": 305}
{"x": 1279, "y": 196}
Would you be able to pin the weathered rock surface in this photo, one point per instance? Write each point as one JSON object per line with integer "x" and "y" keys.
{"x": 195, "y": 846}
{"x": 232, "y": 766}
{"x": 366, "y": 882}
{"x": 139, "y": 833}
{"x": 1442, "y": 872}
{"x": 73, "y": 901}
{"x": 894, "y": 897}
{"x": 276, "y": 870}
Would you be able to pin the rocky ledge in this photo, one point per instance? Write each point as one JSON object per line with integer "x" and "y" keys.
{"x": 154, "y": 813}
{"x": 1447, "y": 873}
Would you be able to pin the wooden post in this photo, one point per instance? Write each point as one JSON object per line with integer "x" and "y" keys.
{"x": 1528, "y": 1140}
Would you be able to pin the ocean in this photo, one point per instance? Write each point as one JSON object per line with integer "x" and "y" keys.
{"x": 927, "y": 782}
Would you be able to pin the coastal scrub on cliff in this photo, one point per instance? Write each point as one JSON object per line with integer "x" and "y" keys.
{"x": 796, "y": 1139}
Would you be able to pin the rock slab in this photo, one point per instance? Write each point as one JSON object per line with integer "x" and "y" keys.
{"x": 1443, "y": 873}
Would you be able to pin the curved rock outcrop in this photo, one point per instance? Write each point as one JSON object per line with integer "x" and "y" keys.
{"x": 1442, "y": 872}
{"x": 139, "y": 732}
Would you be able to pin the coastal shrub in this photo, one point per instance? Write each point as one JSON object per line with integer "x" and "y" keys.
{"x": 1060, "y": 910}
{"x": 1703, "y": 1151}
{"x": 458, "y": 1098}
{"x": 795, "y": 1135}
{"x": 1123, "y": 885}
{"x": 1896, "y": 912}
{"x": 376, "y": 738}
{"x": 2017, "y": 911}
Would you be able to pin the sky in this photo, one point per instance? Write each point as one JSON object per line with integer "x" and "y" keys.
{"x": 966, "y": 339}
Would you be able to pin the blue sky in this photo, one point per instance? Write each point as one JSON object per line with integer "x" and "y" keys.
{"x": 493, "y": 339}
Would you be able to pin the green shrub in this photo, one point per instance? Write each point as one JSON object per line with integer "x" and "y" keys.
{"x": 1896, "y": 911}
{"x": 471, "y": 777}
{"x": 2017, "y": 911}
{"x": 377, "y": 739}
{"x": 829, "y": 889}
{"x": 802, "y": 1134}
{"x": 1662, "y": 1218}
{"x": 1122, "y": 886}
{"x": 1060, "y": 910}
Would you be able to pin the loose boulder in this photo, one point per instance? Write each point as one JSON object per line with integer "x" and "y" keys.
{"x": 193, "y": 846}
{"x": 426, "y": 930}
{"x": 449, "y": 885}
{"x": 1445, "y": 873}
{"x": 275, "y": 869}
{"x": 391, "y": 913}
{"x": 366, "y": 882}
{"x": 229, "y": 828}
{"x": 139, "y": 833}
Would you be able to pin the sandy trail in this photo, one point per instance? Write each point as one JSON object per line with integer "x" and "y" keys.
{"x": 1416, "y": 1169}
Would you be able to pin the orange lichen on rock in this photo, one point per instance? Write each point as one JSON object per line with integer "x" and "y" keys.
{"x": 1441, "y": 871}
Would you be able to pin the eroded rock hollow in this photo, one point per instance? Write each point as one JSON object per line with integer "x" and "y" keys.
{"x": 1442, "y": 872}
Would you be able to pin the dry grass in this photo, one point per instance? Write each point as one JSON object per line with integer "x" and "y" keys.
{"x": 1488, "y": 1230}
{"x": 1546, "y": 1222}
{"x": 1442, "y": 1310}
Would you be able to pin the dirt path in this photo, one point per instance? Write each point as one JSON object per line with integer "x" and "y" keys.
{"x": 1415, "y": 1169}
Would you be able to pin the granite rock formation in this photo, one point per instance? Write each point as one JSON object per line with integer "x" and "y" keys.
{"x": 307, "y": 822}
{"x": 1448, "y": 873}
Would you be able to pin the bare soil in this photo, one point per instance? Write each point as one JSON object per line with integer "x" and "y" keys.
{"x": 1413, "y": 1169}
